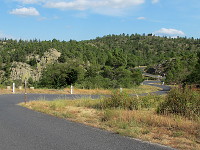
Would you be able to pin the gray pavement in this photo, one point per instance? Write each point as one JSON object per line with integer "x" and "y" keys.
{"x": 24, "y": 129}
{"x": 165, "y": 88}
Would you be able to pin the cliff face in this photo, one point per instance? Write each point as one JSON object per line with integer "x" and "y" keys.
{"x": 50, "y": 56}
{"x": 22, "y": 71}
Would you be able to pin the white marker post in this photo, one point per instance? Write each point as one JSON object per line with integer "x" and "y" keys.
{"x": 71, "y": 91}
{"x": 13, "y": 88}
{"x": 121, "y": 90}
{"x": 25, "y": 94}
{"x": 136, "y": 94}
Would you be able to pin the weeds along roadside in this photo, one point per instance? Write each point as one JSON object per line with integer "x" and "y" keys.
{"x": 138, "y": 89}
{"x": 141, "y": 117}
{"x": 183, "y": 102}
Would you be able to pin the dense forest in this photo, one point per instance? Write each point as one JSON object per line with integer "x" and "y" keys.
{"x": 104, "y": 62}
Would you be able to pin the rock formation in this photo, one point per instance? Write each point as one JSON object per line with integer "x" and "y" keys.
{"x": 22, "y": 71}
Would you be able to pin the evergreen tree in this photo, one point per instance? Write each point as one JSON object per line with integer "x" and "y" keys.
{"x": 194, "y": 77}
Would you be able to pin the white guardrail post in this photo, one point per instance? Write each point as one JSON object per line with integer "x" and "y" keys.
{"x": 71, "y": 90}
{"x": 13, "y": 90}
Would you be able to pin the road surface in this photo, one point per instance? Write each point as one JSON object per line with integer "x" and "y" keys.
{"x": 24, "y": 129}
{"x": 165, "y": 88}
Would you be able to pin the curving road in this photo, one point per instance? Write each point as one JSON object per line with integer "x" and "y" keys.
{"x": 165, "y": 88}
{"x": 24, "y": 129}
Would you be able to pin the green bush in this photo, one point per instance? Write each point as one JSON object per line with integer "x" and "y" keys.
{"x": 7, "y": 82}
{"x": 96, "y": 82}
{"x": 2, "y": 86}
{"x": 151, "y": 101}
{"x": 184, "y": 102}
{"x": 125, "y": 101}
{"x": 118, "y": 100}
{"x": 18, "y": 82}
{"x": 61, "y": 75}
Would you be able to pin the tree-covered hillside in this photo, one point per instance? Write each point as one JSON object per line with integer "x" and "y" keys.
{"x": 106, "y": 62}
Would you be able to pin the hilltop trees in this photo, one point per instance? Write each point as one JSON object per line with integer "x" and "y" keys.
{"x": 106, "y": 62}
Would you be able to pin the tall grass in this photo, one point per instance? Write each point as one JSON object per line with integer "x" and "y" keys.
{"x": 184, "y": 102}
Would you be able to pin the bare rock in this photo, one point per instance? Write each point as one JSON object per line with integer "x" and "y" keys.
{"x": 22, "y": 71}
{"x": 49, "y": 57}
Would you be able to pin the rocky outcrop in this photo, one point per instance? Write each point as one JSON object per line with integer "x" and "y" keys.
{"x": 161, "y": 68}
{"x": 50, "y": 56}
{"x": 22, "y": 71}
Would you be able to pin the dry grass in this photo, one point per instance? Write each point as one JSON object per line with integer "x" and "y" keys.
{"x": 137, "y": 90}
{"x": 65, "y": 110}
{"x": 174, "y": 131}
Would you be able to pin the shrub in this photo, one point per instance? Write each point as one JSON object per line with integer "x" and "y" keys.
{"x": 151, "y": 101}
{"x": 125, "y": 101}
{"x": 120, "y": 100}
{"x": 184, "y": 102}
{"x": 18, "y": 82}
{"x": 2, "y": 86}
{"x": 61, "y": 75}
{"x": 96, "y": 82}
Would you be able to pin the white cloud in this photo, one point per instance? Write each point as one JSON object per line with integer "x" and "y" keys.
{"x": 25, "y": 11}
{"x": 141, "y": 18}
{"x": 87, "y": 4}
{"x": 106, "y": 7}
{"x": 29, "y": 1}
{"x": 155, "y": 1}
{"x": 103, "y": 6}
{"x": 82, "y": 5}
{"x": 169, "y": 32}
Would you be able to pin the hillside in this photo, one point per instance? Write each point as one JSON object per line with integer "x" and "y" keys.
{"x": 105, "y": 62}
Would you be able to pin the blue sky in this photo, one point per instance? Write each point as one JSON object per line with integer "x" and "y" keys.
{"x": 88, "y": 19}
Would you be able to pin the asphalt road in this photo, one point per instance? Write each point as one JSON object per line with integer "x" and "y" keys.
{"x": 165, "y": 88}
{"x": 24, "y": 129}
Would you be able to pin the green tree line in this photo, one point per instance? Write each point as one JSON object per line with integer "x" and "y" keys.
{"x": 105, "y": 61}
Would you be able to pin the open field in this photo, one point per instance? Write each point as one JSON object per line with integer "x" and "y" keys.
{"x": 143, "y": 123}
{"x": 137, "y": 90}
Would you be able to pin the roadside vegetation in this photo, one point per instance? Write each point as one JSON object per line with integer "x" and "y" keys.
{"x": 135, "y": 90}
{"x": 182, "y": 102}
{"x": 172, "y": 120}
